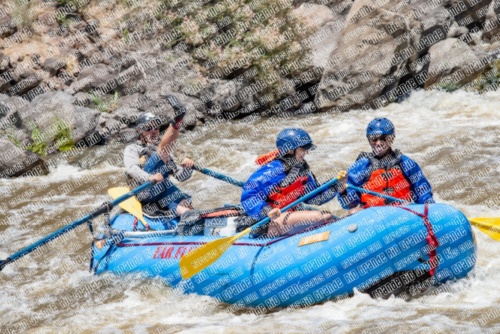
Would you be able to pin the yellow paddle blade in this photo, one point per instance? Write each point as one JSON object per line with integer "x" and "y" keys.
{"x": 489, "y": 226}
{"x": 131, "y": 205}
{"x": 201, "y": 257}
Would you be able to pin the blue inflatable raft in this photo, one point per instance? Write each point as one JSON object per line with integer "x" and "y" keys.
{"x": 380, "y": 251}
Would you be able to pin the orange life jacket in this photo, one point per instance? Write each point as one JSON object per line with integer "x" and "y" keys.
{"x": 282, "y": 196}
{"x": 390, "y": 182}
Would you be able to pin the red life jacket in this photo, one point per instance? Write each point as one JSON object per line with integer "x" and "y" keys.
{"x": 292, "y": 187}
{"x": 389, "y": 181}
{"x": 282, "y": 196}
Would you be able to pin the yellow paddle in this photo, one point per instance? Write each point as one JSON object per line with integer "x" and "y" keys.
{"x": 201, "y": 257}
{"x": 489, "y": 226}
{"x": 131, "y": 205}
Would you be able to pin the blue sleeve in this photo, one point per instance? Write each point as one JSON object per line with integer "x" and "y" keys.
{"x": 357, "y": 175}
{"x": 420, "y": 187}
{"x": 258, "y": 186}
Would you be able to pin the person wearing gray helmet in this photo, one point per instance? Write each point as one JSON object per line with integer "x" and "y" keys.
{"x": 150, "y": 159}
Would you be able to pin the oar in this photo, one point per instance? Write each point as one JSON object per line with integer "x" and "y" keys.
{"x": 74, "y": 224}
{"x": 203, "y": 256}
{"x": 232, "y": 181}
{"x": 219, "y": 176}
{"x": 394, "y": 199}
{"x": 134, "y": 207}
{"x": 131, "y": 205}
{"x": 489, "y": 226}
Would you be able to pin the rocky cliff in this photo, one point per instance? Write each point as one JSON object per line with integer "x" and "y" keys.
{"x": 76, "y": 73}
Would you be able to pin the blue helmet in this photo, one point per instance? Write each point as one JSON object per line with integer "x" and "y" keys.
{"x": 293, "y": 138}
{"x": 379, "y": 127}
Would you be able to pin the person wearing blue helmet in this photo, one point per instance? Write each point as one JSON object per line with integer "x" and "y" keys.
{"x": 384, "y": 171}
{"x": 150, "y": 159}
{"x": 280, "y": 182}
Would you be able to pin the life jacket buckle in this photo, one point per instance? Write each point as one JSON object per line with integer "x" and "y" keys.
{"x": 389, "y": 190}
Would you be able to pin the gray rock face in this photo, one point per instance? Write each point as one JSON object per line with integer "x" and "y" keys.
{"x": 5, "y": 23}
{"x": 15, "y": 161}
{"x": 389, "y": 48}
{"x": 328, "y": 26}
{"x": 470, "y": 14}
{"x": 449, "y": 57}
{"x": 52, "y": 65}
{"x": 53, "y": 111}
{"x": 93, "y": 77}
{"x": 9, "y": 117}
{"x": 492, "y": 24}
{"x": 384, "y": 51}
{"x": 160, "y": 107}
{"x": 126, "y": 113}
{"x": 220, "y": 93}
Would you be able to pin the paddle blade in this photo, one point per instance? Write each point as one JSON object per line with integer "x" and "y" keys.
{"x": 489, "y": 226}
{"x": 131, "y": 205}
{"x": 200, "y": 258}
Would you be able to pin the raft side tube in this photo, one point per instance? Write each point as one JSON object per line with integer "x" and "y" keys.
{"x": 381, "y": 250}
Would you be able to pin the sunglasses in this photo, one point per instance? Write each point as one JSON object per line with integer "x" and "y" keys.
{"x": 374, "y": 139}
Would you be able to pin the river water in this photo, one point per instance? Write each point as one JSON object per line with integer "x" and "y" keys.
{"x": 455, "y": 137}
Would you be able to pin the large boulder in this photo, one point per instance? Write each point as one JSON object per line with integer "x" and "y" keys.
{"x": 94, "y": 77}
{"x": 52, "y": 116}
{"x": 24, "y": 79}
{"x": 327, "y": 26}
{"x": 128, "y": 108}
{"x": 492, "y": 23}
{"x": 160, "y": 107}
{"x": 470, "y": 14}
{"x": 7, "y": 25}
{"x": 109, "y": 128}
{"x": 450, "y": 57}
{"x": 222, "y": 93}
{"x": 14, "y": 161}
{"x": 382, "y": 54}
{"x": 53, "y": 64}
{"x": 9, "y": 117}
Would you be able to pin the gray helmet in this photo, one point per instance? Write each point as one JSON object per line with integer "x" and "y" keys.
{"x": 147, "y": 122}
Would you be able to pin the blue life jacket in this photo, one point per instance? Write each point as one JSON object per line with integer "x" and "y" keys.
{"x": 154, "y": 165}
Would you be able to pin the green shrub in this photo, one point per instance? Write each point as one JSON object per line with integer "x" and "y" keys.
{"x": 256, "y": 32}
{"x": 106, "y": 104}
{"x": 38, "y": 146}
{"x": 63, "y": 139}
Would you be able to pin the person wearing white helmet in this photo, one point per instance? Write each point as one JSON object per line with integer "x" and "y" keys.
{"x": 150, "y": 159}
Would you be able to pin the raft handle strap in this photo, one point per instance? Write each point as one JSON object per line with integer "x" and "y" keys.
{"x": 430, "y": 238}
{"x": 107, "y": 220}
{"x": 113, "y": 240}
{"x": 91, "y": 228}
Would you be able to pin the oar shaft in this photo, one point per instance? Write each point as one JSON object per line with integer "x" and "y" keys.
{"x": 377, "y": 194}
{"x": 73, "y": 225}
{"x": 232, "y": 181}
{"x": 200, "y": 258}
{"x": 219, "y": 176}
{"x": 298, "y": 201}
